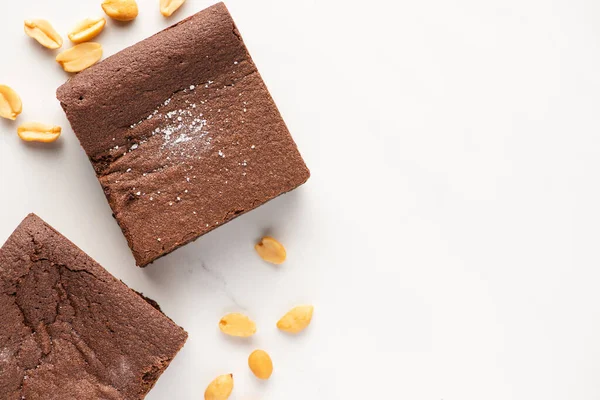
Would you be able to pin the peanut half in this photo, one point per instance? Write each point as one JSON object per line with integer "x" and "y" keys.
{"x": 220, "y": 388}
{"x": 236, "y": 324}
{"x": 271, "y": 250}
{"x": 168, "y": 7}
{"x": 296, "y": 320}
{"x": 36, "y": 132}
{"x": 44, "y": 33}
{"x": 121, "y": 10}
{"x": 260, "y": 364}
{"x": 10, "y": 103}
{"x": 80, "y": 57}
{"x": 86, "y": 30}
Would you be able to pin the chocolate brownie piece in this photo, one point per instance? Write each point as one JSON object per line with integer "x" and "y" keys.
{"x": 69, "y": 329}
{"x": 182, "y": 133}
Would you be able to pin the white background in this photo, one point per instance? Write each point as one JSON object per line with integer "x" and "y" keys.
{"x": 448, "y": 237}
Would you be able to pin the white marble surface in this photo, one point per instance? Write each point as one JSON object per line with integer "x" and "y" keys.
{"x": 448, "y": 237}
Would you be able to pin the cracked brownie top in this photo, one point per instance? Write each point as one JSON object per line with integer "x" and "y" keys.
{"x": 69, "y": 329}
{"x": 182, "y": 133}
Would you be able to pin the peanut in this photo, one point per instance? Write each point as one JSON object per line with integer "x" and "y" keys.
{"x": 10, "y": 103}
{"x": 236, "y": 324}
{"x": 80, "y": 57}
{"x": 44, "y": 33}
{"x": 121, "y": 10}
{"x": 86, "y": 30}
{"x": 271, "y": 250}
{"x": 168, "y": 7}
{"x": 36, "y": 132}
{"x": 220, "y": 388}
{"x": 296, "y": 320}
{"x": 260, "y": 364}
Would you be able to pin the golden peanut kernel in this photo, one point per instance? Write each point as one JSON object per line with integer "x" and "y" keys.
{"x": 36, "y": 132}
{"x": 10, "y": 103}
{"x": 44, "y": 33}
{"x": 121, "y": 10}
{"x": 296, "y": 320}
{"x": 260, "y": 364}
{"x": 80, "y": 57}
{"x": 86, "y": 30}
{"x": 168, "y": 7}
{"x": 271, "y": 250}
{"x": 236, "y": 324}
{"x": 220, "y": 388}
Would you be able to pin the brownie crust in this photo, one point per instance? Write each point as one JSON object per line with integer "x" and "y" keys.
{"x": 182, "y": 133}
{"x": 69, "y": 329}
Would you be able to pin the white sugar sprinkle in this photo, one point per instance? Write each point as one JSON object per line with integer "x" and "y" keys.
{"x": 182, "y": 138}
{"x": 221, "y": 154}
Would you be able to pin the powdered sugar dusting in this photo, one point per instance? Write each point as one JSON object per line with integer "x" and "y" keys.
{"x": 182, "y": 138}
{"x": 180, "y": 132}
{"x": 180, "y": 126}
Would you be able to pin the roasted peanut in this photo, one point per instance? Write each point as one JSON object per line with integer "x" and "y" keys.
{"x": 44, "y": 33}
{"x": 168, "y": 7}
{"x": 10, "y": 103}
{"x": 121, "y": 10}
{"x": 296, "y": 320}
{"x": 260, "y": 364}
{"x": 220, "y": 388}
{"x": 80, "y": 57}
{"x": 236, "y": 324}
{"x": 36, "y": 132}
{"x": 271, "y": 250}
{"x": 86, "y": 30}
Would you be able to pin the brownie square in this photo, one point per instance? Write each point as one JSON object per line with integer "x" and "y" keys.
{"x": 182, "y": 133}
{"x": 69, "y": 329}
